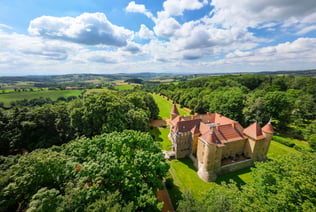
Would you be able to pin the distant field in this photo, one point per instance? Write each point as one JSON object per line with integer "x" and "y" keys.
{"x": 7, "y": 98}
{"x": 96, "y": 91}
{"x": 165, "y": 107}
{"x": 124, "y": 87}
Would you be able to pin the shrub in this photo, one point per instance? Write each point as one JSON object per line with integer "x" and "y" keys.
{"x": 169, "y": 183}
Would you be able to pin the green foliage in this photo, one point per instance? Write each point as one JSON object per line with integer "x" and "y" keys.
{"x": 46, "y": 200}
{"x": 117, "y": 171}
{"x": 228, "y": 102}
{"x": 312, "y": 141}
{"x": 28, "y": 128}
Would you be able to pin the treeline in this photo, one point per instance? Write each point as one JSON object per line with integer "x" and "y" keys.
{"x": 248, "y": 98}
{"x": 120, "y": 171}
{"x": 27, "y": 128}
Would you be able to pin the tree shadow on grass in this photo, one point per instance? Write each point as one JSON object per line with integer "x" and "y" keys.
{"x": 155, "y": 133}
{"x": 188, "y": 162}
{"x": 233, "y": 176}
{"x": 175, "y": 195}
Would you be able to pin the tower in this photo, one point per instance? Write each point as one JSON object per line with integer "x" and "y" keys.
{"x": 174, "y": 112}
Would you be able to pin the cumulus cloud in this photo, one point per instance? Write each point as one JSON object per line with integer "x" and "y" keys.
{"x": 132, "y": 48}
{"x": 88, "y": 28}
{"x": 244, "y": 13}
{"x": 166, "y": 27}
{"x": 34, "y": 46}
{"x": 176, "y": 7}
{"x": 145, "y": 33}
{"x": 138, "y": 8}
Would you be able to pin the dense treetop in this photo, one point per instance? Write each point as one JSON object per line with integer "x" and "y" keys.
{"x": 117, "y": 171}
{"x": 29, "y": 128}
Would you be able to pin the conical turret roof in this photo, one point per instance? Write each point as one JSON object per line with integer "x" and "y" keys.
{"x": 268, "y": 128}
{"x": 254, "y": 131}
{"x": 174, "y": 110}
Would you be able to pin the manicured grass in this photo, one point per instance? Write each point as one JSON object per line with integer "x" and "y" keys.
{"x": 53, "y": 94}
{"x": 124, "y": 87}
{"x": 276, "y": 149}
{"x": 186, "y": 179}
{"x": 161, "y": 135}
{"x": 165, "y": 107}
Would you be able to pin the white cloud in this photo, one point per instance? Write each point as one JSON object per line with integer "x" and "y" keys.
{"x": 145, "y": 33}
{"x": 138, "y": 8}
{"x": 166, "y": 27}
{"x": 176, "y": 7}
{"x": 306, "y": 30}
{"x": 244, "y": 13}
{"x": 88, "y": 28}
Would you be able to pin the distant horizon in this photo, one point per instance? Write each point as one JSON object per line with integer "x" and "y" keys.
{"x": 175, "y": 36}
{"x": 159, "y": 73}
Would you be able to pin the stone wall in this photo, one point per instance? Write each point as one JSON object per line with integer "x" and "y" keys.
{"x": 235, "y": 166}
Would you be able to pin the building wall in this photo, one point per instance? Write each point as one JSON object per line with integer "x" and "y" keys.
{"x": 231, "y": 149}
{"x": 235, "y": 166}
{"x": 182, "y": 144}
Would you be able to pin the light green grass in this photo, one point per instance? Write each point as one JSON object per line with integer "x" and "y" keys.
{"x": 276, "y": 149}
{"x": 96, "y": 91}
{"x": 54, "y": 94}
{"x": 161, "y": 135}
{"x": 124, "y": 87}
{"x": 165, "y": 107}
{"x": 185, "y": 178}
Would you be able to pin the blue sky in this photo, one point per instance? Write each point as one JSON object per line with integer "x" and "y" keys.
{"x": 180, "y": 36}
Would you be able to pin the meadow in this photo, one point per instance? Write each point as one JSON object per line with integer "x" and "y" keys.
{"x": 165, "y": 107}
{"x": 6, "y": 98}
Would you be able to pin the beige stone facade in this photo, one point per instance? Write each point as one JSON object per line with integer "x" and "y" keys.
{"x": 217, "y": 144}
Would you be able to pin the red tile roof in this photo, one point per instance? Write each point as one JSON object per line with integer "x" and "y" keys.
{"x": 254, "y": 131}
{"x": 213, "y": 128}
{"x": 174, "y": 110}
{"x": 268, "y": 128}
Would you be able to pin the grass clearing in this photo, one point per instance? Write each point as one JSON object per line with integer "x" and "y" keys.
{"x": 96, "y": 91}
{"x": 53, "y": 94}
{"x": 165, "y": 107}
{"x": 124, "y": 87}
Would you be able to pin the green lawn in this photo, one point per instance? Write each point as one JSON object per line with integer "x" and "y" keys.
{"x": 276, "y": 149}
{"x": 161, "y": 135}
{"x": 165, "y": 107}
{"x": 124, "y": 87}
{"x": 53, "y": 94}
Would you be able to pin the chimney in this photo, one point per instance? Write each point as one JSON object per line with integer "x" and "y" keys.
{"x": 192, "y": 117}
{"x": 233, "y": 124}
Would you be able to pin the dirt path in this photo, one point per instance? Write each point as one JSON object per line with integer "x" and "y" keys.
{"x": 163, "y": 196}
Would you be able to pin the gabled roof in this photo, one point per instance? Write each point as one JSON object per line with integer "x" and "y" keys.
{"x": 268, "y": 128}
{"x": 174, "y": 110}
{"x": 254, "y": 131}
{"x": 187, "y": 125}
{"x": 221, "y": 134}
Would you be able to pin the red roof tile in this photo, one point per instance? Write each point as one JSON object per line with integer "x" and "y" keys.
{"x": 174, "y": 110}
{"x": 268, "y": 128}
{"x": 254, "y": 131}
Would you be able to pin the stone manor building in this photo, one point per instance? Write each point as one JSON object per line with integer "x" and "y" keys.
{"x": 217, "y": 144}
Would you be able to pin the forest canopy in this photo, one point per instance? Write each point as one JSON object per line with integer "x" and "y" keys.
{"x": 116, "y": 171}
